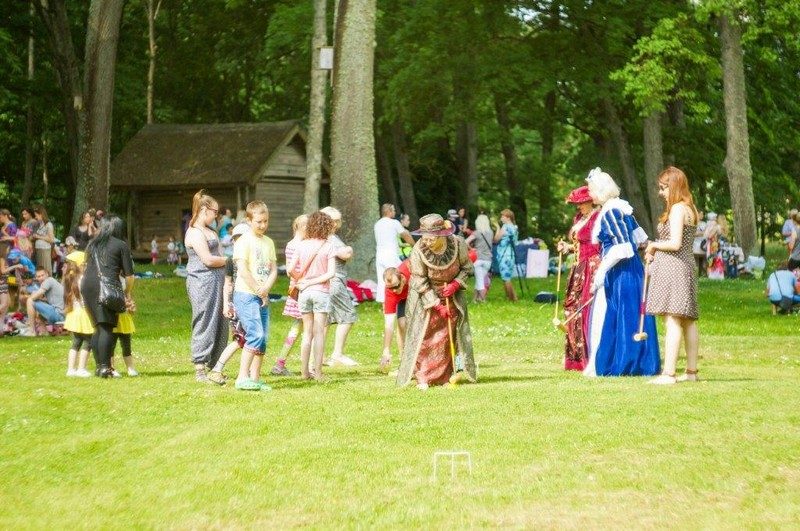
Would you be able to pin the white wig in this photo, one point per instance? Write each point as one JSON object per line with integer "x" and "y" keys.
{"x": 602, "y": 185}
{"x": 482, "y": 223}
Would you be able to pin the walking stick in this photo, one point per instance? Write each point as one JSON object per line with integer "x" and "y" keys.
{"x": 558, "y": 289}
{"x": 563, "y": 324}
{"x": 456, "y": 377}
{"x": 642, "y": 335}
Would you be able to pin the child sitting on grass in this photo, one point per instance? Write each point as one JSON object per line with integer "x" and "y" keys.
{"x": 228, "y": 310}
{"x": 254, "y": 255}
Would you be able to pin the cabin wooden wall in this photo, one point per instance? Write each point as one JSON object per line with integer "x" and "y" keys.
{"x": 160, "y": 212}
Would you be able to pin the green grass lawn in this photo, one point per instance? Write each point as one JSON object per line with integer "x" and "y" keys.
{"x": 549, "y": 448}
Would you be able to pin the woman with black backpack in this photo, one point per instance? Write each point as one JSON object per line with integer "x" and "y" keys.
{"x": 108, "y": 258}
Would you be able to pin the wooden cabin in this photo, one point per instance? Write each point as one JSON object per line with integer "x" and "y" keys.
{"x": 163, "y": 165}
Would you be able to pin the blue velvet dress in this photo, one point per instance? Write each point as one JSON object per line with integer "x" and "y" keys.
{"x": 615, "y": 311}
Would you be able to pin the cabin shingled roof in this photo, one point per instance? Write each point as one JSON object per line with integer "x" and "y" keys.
{"x": 192, "y": 155}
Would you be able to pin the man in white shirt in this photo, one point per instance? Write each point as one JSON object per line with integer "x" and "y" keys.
{"x": 387, "y": 246}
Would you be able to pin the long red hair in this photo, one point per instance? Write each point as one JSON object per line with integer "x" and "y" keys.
{"x": 679, "y": 191}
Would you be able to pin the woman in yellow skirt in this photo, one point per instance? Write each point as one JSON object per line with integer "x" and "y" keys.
{"x": 77, "y": 319}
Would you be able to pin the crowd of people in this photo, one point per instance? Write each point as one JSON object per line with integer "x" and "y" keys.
{"x": 92, "y": 300}
{"x": 619, "y": 281}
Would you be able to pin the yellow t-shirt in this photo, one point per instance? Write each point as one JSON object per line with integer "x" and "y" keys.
{"x": 258, "y": 253}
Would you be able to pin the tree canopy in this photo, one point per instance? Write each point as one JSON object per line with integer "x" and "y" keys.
{"x": 518, "y": 98}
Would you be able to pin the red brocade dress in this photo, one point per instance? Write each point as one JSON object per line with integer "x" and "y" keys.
{"x": 587, "y": 258}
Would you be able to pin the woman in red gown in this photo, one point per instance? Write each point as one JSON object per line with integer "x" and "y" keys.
{"x": 587, "y": 258}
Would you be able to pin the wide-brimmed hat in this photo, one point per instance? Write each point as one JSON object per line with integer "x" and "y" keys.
{"x": 579, "y": 195}
{"x": 434, "y": 225}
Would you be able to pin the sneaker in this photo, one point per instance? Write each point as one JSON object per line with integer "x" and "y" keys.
{"x": 341, "y": 360}
{"x": 262, "y": 386}
{"x": 280, "y": 370}
{"x": 347, "y": 361}
{"x": 201, "y": 377}
{"x": 28, "y": 332}
{"x": 133, "y": 372}
{"x": 82, "y": 373}
{"x": 115, "y": 373}
{"x": 216, "y": 377}
{"x": 422, "y": 386}
{"x": 247, "y": 385}
{"x": 71, "y": 373}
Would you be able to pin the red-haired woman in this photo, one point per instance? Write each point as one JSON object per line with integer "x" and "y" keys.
{"x": 579, "y": 285}
{"x": 673, "y": 285}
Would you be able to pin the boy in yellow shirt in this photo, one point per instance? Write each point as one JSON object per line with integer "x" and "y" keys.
{"x": 256, "y": 262}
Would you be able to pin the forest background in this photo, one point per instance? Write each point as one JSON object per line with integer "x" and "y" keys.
{"x": 483, "y": 103}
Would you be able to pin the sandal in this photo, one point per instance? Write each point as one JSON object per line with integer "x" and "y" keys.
{"x": 689, "y": 376}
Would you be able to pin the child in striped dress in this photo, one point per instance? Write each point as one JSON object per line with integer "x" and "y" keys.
{"x": 291, "y": 309}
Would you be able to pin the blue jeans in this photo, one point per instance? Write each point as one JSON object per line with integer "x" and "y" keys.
{"x": 254, "y": 318}
{"x": 48, "y": 312}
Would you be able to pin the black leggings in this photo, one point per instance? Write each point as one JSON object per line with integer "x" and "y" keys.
{"x": 104, "y": 341}
{"x": 125, "y": 343}
{"x": 79, "y": 340}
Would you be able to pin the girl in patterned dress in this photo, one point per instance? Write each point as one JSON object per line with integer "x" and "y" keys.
{"x": 291, "y": 309}
{"x": 506, "y": 238}
{"x": 673, "y": 286}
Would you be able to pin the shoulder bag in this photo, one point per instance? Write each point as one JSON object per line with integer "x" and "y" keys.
{"x": 111, "y": 295}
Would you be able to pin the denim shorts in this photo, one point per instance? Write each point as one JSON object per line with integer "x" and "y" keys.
{"x": 314, "y": 301}
{"x": 48, "y": 312}
{"x": 254, "y": 318}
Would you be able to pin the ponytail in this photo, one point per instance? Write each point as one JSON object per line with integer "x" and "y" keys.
{"x": 200, "y": 200}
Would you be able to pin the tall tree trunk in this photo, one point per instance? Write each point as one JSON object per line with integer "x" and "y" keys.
{"x": 53, "y": 14}
{"x": 385, "y": 170}
{"x": 354, "y": 187}
{"x": 653, "y": 163}
{"x": 153, "y": 8}
{"x": 467, "y": 163}
{"x": 316, "y": 117}
{"x": 543, "y": 180}
{"x": 737, "y": 158}
{"x": 404, "y": 171}
{"x": 27, "y": 185}
{"x": 516, "y": 187}
{"x": 101, "y": 53}
{"x": 630, "y": 183}
{"x": 45, "y": 171}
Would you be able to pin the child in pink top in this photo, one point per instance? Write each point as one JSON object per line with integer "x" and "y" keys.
{"x": 312, "y": 268}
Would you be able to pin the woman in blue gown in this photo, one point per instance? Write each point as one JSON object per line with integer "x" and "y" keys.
{"x": 617, "y": 288}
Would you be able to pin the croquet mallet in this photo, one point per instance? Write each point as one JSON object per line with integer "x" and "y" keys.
{"x": 456, "y": 377}
{"x": 563, "y": 324}
{"x": 641, "y": 335}
{"x": 556, "y": 320}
